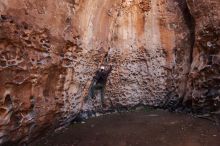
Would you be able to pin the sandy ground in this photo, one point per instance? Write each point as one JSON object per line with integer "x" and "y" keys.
{"x": 152, "y": 128}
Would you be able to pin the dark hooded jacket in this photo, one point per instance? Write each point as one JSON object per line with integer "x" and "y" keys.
{"x": 102, "y": 75}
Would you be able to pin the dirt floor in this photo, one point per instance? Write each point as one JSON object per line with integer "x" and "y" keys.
{"x": 153, "y": 128}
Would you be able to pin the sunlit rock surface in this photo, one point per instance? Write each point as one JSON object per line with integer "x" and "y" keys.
{"x": 49, "y": 51}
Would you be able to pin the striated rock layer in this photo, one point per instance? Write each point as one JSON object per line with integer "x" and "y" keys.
{"x": 162, "y": 51}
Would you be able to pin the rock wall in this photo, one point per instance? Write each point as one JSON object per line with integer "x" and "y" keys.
{"x": 204, "y": 82}
{"x": 50, "y": 50}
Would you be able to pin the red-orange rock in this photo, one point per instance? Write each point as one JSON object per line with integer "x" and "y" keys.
{"x": 204, "y": 82}
{"x": 49, "y": 52}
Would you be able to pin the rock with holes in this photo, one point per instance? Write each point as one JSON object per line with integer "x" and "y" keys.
{"x": 160, "y": 50}
{"x": 204, "y": 82}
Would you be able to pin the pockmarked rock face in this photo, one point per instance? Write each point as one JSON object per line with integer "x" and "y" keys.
{"x": 204, "y": 82}
{"x": 49, "y": 51}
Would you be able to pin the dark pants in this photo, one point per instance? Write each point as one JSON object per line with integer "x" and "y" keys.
{"x": 96, "y": 87}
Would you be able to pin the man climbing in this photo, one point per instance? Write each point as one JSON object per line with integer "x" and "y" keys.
{"x": 99, "y": 82}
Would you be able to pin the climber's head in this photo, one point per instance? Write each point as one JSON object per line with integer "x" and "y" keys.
{"x": 102, "y": 68}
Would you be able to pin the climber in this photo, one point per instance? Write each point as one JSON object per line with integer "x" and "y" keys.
{"x": 99, "y": 81}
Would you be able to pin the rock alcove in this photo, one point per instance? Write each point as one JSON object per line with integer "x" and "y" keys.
{"x": 165, "y": 54}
